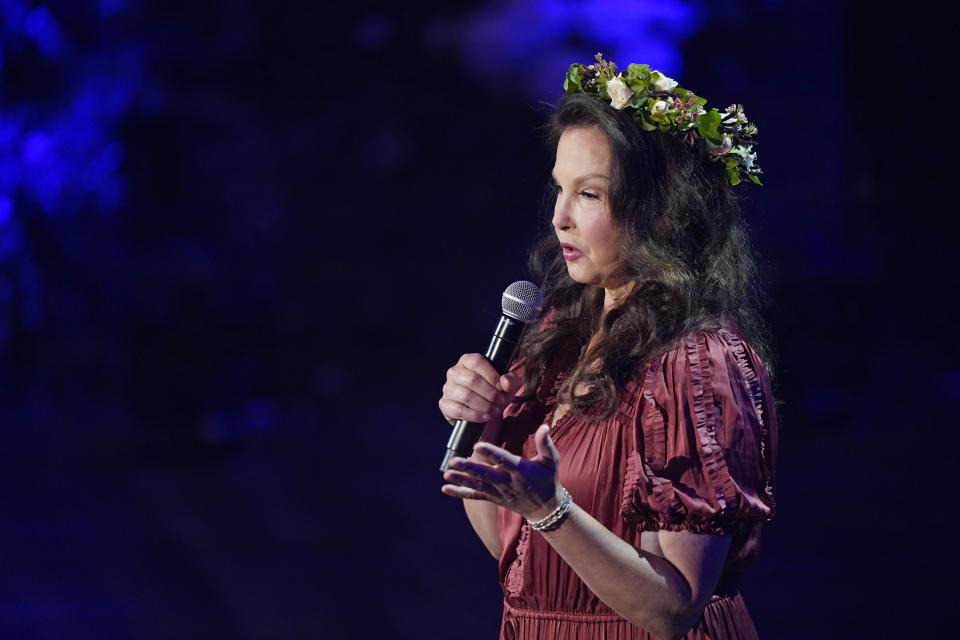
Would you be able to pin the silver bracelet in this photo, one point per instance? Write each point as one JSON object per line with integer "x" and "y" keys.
{"x": 555, "y": 517}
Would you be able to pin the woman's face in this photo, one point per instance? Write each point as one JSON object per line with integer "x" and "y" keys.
{"x": 581, "y": 216}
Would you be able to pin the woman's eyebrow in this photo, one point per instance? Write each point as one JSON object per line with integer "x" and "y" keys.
{"x": 582, "y": 178}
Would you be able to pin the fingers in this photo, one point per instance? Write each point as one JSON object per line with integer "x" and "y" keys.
{"x": 510, "y": 382}
{"x": 472, "y": 385}
{"x": 454, "y": 411}
{"x": 478, "y": 364}
{"x": 545, "y": 447}
{"x": 479, "y": 470}
{"x": 471, "y": 479}
{"x": 495, "y": 455}
{"x": 463, "y": 493}
{"x": 472, "y": 391}
{"x": 470, "y": 482}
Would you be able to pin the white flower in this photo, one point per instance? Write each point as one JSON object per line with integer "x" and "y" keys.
{"x": 749, "y": 159}
{"x": 663, "y": 83}
{"x": 619, "y": 93}
{"x": 659, "y": 107}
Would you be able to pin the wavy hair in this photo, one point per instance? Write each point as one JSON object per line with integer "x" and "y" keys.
{"x": 687, "y": 250}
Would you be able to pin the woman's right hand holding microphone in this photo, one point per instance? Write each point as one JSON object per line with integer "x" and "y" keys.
{"x": 475, "y": 392}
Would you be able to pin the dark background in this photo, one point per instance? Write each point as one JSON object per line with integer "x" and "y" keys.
{"x": 241, "y": 242}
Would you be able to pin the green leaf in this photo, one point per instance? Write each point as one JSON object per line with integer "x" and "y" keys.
{"x": 733, "y": 176}
{"x": 636, "y": 100}
{"x": 571, "y": 83}
{"x": 637, "y": 86}
{"x": 644, "y": 124}
{"x": 754, "y": 179}
{"x": 639, "y": 72}
{"x": 708, "y": 124}
{"x": 637, "y": 78}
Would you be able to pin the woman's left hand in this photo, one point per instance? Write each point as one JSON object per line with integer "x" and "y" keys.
{"x": 528, "y": 487}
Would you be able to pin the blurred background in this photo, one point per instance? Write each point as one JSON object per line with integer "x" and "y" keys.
{"x": 242, "y": 241}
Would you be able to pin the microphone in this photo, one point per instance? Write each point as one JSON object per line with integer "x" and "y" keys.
{"x": 521, "y": 303}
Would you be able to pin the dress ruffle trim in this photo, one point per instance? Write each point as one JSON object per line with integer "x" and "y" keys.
{"x": 513, "y": 585}
{"x": 655, "y": 444}
{"x": 701, "y": 379}
{"x": 750, "y": 376}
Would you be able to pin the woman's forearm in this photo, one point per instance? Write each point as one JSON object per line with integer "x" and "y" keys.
{"x": 644, "y": 588}
{"x": 483, "y": 517}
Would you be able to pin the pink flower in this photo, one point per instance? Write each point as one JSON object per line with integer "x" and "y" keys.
{"x": 725, "y": 145}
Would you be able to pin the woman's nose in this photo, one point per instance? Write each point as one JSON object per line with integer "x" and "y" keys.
{"x": 561, "y": 215}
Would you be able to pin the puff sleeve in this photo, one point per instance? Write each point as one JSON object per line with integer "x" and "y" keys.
{"x": 704, "y": 440}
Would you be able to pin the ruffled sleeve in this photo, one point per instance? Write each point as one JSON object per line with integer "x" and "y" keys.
{"x": 703, "y": 440}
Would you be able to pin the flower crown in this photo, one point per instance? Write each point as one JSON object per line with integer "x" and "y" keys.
{"x": 659, "y": 104}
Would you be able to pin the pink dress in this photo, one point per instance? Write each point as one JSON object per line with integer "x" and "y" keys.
{"x": 690, "y": 447}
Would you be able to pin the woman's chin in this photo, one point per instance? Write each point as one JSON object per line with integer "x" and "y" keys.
{"x": 581, "y": 276}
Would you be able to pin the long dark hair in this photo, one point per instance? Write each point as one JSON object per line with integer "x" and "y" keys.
{"x": 687, "y": 251}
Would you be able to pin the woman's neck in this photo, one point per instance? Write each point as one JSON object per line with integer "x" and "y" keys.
{"x": 615, "y": 295}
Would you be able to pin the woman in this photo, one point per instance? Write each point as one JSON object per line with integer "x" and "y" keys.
{"x": 627, "y": 463}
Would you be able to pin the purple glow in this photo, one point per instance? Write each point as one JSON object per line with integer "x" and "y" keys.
{"x": 37, "y": 147}
{"x": 534, "y": 42}
{"x": 6, "y": 210}
{"x": 59, "y": 153}
{"x": 373, "y": 31}
{"x": 45, "y": 31}
{"x": 110, "y": 8}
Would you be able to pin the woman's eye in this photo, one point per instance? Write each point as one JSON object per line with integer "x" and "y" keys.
{"x": 587, "y": 194}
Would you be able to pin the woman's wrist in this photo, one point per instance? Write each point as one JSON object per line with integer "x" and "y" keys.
{"x": 546, "y": 508}
{"x": 556, "y": 517}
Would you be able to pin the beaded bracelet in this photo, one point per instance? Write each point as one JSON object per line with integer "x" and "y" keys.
{"x": 555, "y": 518}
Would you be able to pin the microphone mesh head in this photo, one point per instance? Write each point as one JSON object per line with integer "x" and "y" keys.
{"x": 522, "y": 301}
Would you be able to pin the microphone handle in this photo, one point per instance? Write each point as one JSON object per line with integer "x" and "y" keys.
{"x": 500, "y": 353}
